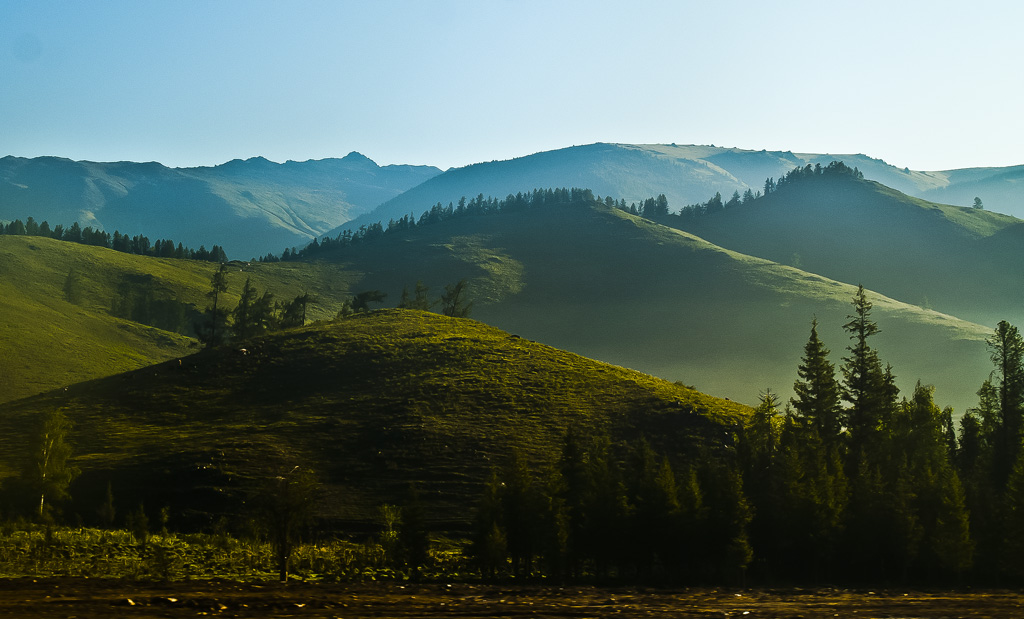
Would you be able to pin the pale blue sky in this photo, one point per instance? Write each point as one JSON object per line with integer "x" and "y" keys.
{"x": 929, "y": 85}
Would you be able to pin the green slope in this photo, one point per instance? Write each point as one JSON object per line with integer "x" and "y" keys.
{"x": 372, "y": 402}
{"x": 49, "y": 342}
{"x": 957, "y": 260}
{"x": 614, "y": 287}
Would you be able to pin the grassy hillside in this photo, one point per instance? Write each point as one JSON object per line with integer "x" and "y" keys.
{"x": 372, "y": 402}
{"x": 50, "y": 341}
{"x": 956, "y": 260}
{"x": 614, "y": 287}
{"x": 248, "y": 207}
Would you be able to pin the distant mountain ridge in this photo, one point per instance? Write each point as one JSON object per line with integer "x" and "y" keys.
{"x": 686, "y": 174}
{"x": 248, "y": 207}
{"x": 253, "y": 207}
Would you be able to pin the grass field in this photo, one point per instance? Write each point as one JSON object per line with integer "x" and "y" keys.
{"x": 51, "y": 340}
{"x": 372, "y": 403}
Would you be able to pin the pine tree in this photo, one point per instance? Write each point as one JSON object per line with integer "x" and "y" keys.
{"x": 940, "y": 504}
{"x": 244, "y": 319}
{"x": 868, "y": 388}
{"x": 818, "y": 393}
{"x": 728, "y": 551}
{"x": 211, "y": 333}
{"x": 815, "y": 494}
{"x": 654, "y": 519}
{"x": 1012, "y": 550}
{"x": 1007, "y": 349}
{"x": 763, "y": 479}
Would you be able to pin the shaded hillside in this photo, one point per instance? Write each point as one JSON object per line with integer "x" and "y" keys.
{"x": 59, "y": 322}
{"x": 684, "y": 173}
{"x": 1000, "y": 189}
{"x": 248, "y": 207}
{"x": 957, "y": 260}
{"x": 611, "y": 286}
{"x": 372, "y": 402}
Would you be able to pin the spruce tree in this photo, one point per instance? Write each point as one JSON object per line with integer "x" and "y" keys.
{"x": 654, "y": 519}
{"x": 938, "y": 497}
{"x": 764, "y": 479}
{"x": 211, "y": 332}
{"x": 868, "y": 388}
{"x": 1007, "y": 348}
{"x": 1012, "y": 524}
{"x": 818, "y": 393}
{"x": 727, "y": 552}
{"x": 244, "y": 315}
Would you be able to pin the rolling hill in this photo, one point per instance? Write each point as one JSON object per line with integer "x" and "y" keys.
{"x": 248, "y": 207}
{"x": 372, "y": 403}
{"x": 611, "y": 286}
{"x": 686, "y": 174}
{"x": 957, "y": 260}
{"x": 1001, "y": 189}
{"x": 52, "y": 340}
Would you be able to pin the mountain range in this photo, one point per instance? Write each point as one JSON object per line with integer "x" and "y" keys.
{"x": 255, "y": 207}
{"x": 247, "y": 207}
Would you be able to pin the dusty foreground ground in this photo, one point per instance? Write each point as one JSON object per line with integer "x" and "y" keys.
{"x": 84, "y": 598}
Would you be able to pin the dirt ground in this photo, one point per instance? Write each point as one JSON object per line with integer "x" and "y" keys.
{"x": 88, "y": 599}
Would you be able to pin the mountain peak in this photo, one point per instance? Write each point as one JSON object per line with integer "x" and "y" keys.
{"x": 355, "y": 157}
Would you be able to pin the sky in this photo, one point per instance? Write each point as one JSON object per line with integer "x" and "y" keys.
{"x": 927, "y": 85}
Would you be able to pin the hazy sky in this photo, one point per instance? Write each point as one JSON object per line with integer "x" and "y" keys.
{"x": 929, "y": 85}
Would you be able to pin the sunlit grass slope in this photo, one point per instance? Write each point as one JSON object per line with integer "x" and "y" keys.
{"x": 957, "y": 260}
{"x": 610, "y": 286}
{"x": 372, "y": 403}
{"x": 48, "y": 341}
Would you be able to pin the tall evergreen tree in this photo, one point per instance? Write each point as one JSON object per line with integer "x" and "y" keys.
{"x": 244, "y": 315}
{"x": 818, "y": 393}
{"x": 815, "y": 495}
{"x": 868, "y": 388}
{"x": 1007, "y": 348}
{"x": 938, "y": 497}
{"x": 654, "y": 519}
{"x": 211, "y": 332}
{"x": 763, "y": 480}
{"x": 727, "y": 551}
